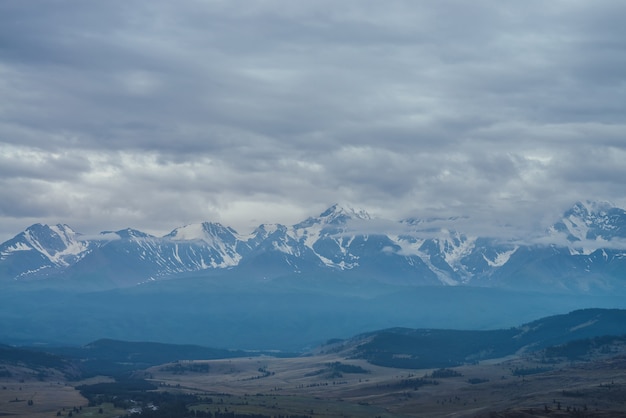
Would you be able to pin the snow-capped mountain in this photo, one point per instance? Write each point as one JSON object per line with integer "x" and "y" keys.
{"x": 42, "y": 250}
{"x": 591, "y": 225}
{"x": 582, "y": 251}
{"x": 136, "y": 257}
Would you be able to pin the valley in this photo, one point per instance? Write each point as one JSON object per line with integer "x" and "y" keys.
{"x": 332, "y": 385}
{"x": 312, "y": 209}
{"x": 594, "y": 387}
{"x": 570, "y": 365}
{"x": 340, "y": 315}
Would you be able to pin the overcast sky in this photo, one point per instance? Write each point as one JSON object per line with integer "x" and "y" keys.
{"x": 154, "y": 114}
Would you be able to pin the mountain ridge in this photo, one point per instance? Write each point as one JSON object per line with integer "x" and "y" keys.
{"x": 584, "y": 250}
{"x": 423, "y": 348}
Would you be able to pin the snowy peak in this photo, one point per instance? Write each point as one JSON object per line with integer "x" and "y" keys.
{"x": 264, "y": 231}
{"x": 209, "y": 232}
{"x": 588, "y": 225}
{"x": 53, "y": 234}
{"x": 338, "y": 214}
{"x": 587, "y": 243}
{"x": 335, "y": 215}
{"x": 128, "y": 233}
{"x": 58, "y": 243}
{"x": 205, "y": 245}
{"x": 589, "y": 208}
{"x": 41, "y": 250}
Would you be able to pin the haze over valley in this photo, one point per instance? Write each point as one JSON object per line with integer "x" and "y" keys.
{"x": 294, "y": 287}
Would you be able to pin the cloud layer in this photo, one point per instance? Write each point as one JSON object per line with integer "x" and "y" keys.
{"x": 156, "y": 114}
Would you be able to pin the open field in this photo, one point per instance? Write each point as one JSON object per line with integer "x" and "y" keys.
{"x": 28, "y": 393}
{"x": 25, "y": 392}
{"x": 334, "y": 385}
{"x": 310, "y": 386}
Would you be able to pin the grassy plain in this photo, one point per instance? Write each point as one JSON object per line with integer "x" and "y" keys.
{"x": 26, "y": 393}
{"x": 334, "y": 385}
{"x": 308, "y": 386}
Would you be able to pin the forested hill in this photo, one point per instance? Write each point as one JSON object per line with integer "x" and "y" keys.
{"x": 395, "y": 347}
{"x": 425, "y": 348}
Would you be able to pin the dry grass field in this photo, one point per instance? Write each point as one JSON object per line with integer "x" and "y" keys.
{"x": 26, "y": 393}
{"x": 307, "y": 385}
{"x": 331, "y": 385}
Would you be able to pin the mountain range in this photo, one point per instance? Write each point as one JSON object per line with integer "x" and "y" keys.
{"x": 584, "y": 252}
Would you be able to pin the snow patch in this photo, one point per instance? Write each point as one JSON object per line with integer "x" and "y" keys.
{"x": 191, "y": 232}
{"x": 409, "y": 246}
{"x": 20, "y": 246}
{"x": 454, "y": 252}
{"x": 501, "y": 259}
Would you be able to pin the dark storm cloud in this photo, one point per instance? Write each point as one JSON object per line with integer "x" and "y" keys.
{"x": 153, "y": 114}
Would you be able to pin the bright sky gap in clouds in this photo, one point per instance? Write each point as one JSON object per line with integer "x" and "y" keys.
{"x": 154, "y": 114}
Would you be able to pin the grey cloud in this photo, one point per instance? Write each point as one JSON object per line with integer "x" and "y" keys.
{"x": 22, "y": 164}
{"x": 30, "y": 199}
{"x": 164, "y": 112}
{"x": 591, "y": 165}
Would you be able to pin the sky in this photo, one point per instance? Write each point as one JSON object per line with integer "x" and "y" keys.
{"x": 154, "y": 114}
